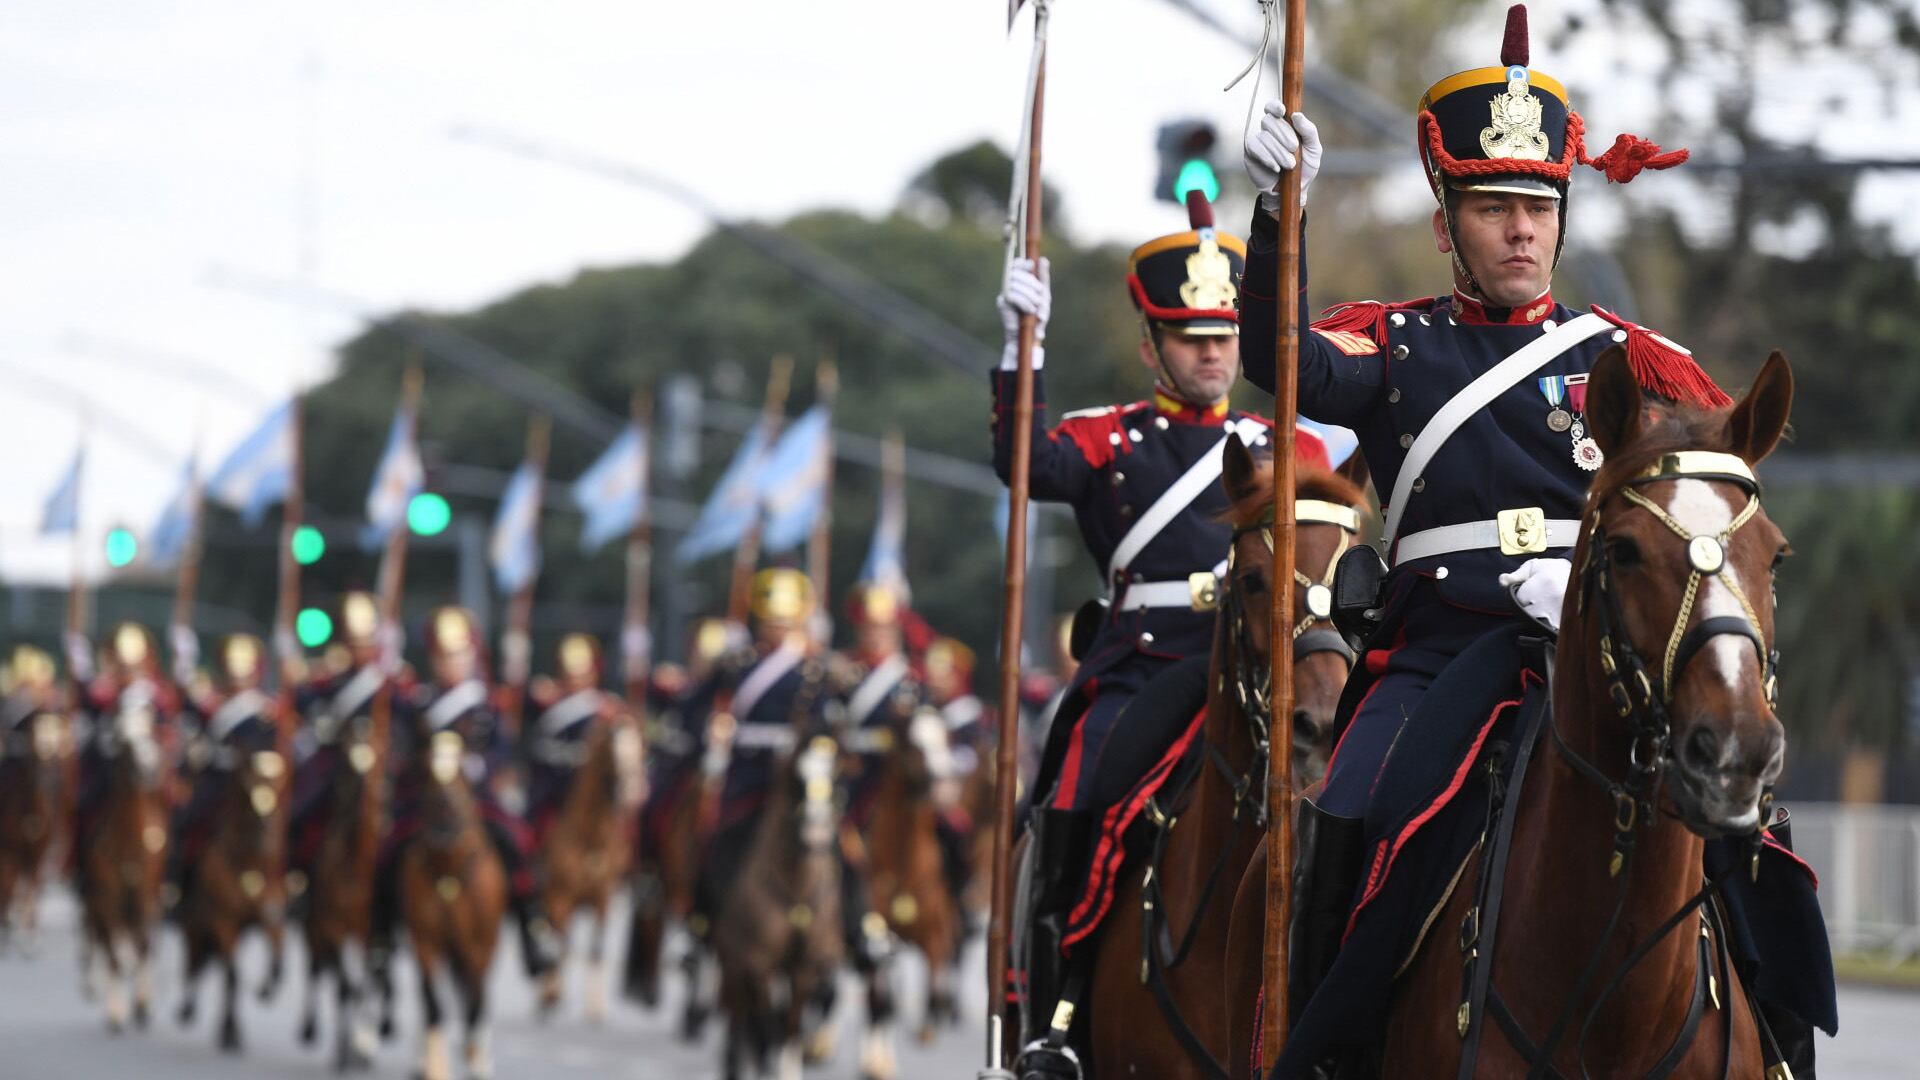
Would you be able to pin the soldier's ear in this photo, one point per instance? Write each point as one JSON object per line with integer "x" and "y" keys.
{"x": 1238, "y": 473}
{"x": 1614, "y": 406}
{"x": 1756, "y": 424}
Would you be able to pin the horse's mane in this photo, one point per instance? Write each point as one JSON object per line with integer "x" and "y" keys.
{"x": 1309, "y": 482}
{"x": 1671, "y": 429}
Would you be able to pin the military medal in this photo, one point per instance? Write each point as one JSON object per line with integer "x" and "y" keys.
{"x": 1586, "y": 452}
{"x": 1554, "y": 389}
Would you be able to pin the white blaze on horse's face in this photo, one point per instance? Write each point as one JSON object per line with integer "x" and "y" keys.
{"x": 1705, "y": 510}
{"x": 928, "y": 731}
{"x": 443, "y": 756}
{"x": 815, "y": 767}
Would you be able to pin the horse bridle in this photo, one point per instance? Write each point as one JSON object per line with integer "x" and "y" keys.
{"x": 1642, "y": 699}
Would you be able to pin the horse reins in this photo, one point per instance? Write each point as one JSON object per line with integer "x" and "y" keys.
{"x": 1642, "y": 700}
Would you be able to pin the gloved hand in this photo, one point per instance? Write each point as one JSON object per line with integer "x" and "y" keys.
{"x": 1025, "y": 293}
{"x": 1275, "y": 146}
{"x": 1539, "y": 588}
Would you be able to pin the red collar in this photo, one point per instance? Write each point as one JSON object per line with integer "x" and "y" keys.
{"x": 1180, "y": 411}
{"x": 1474, "y": 313}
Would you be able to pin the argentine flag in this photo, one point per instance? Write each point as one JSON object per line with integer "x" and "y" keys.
{"x": 259, "y": 471}
{"x": 396, "y": 480}
{"x": 514, "y": 548}
{"x": 793, "y": 485}
{"x": 731, "y": 509}
{"x": 886, "y": 557}
{"x": 612, "y": 493}
{"x": 168, "y": 538}
{"x": 62, "y": 512}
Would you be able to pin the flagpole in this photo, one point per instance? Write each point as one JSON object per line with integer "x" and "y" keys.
{"x": 635, "y": 648}
{"x": 746, "y": 557}
{"x": 293, "y": 509}
{"x": 76, "y": 644}
{"x": 1014, "y": 601}
{"x": 187, "y": 582}
{"x": 1280, "y": 854}
{"x": 393, "y": 563}
{"x": 820, "y": 544}
{"x": 516, "y": 645}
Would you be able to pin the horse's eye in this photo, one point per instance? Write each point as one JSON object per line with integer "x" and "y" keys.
{"x": 1253, "y": 585}
{"x": 1779, "y": 558}
{"x": 1624, "y": 553}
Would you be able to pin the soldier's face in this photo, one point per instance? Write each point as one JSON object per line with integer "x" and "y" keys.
{"x": 1507, "y": 240}
{"x": 1203, "y": 366}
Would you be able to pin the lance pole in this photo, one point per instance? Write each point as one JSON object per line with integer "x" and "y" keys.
{"x": 186, "y": 583}
{"x": 79, "y": 662}
{"x": 635, "y": 643}
{"x": 393, "y": 570}
{"x": 286, "y": 642}
{"x": 747, "y": 556}
{"x": 1280, "y": 693}
{"x": 1024, "y": 242}
{"x": 516, "y": 644}
{"x": 820, "y": 544}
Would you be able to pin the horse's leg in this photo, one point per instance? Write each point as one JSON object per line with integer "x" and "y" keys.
{"x": 479, "y": 1051}
{"x": 89, "y": 931}
{"x": 116, "y": 991}
{"x": 559, "y": 915}
{"x": 699, "y": 994}
{"x": 878, "y": 1060}
{"x": 641, "y": 978}
{"x": 354, "y": 1046}
{"x": 274, "y": 925}
{"x": 230, "y": 1004}
{"x": 596, "y": 989}
{"x": 788, "y": 1031}
{"x": 434, "y": 1062}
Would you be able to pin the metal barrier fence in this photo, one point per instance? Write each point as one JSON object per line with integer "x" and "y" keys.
{"x": 1868, "y": 859}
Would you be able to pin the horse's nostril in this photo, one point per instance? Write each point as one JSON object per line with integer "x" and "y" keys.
{"x": 1701, "y": 750}
{"x": 1303, "y": 725}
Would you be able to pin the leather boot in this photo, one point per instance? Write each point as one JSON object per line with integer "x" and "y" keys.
{"x": 1059, "y": 859}
{"x": 1328, "y": 855}
{"x": 1792, "y": 1035}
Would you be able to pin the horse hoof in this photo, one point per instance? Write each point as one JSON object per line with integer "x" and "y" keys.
{"x": 230, "y": 1038}
{"x": 693, "y": 1023}
{"x": 309, "y": 1032}
{"x": 184, "y": 1015}
{"x": 140, "y": 1015}
{"x": 924, "y": 1036}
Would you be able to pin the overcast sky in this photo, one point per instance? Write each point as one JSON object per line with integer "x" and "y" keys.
{"x": 147, "y": 145}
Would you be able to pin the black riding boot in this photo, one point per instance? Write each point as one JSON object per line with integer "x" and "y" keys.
{"x": 1792, "y": 1035}
{"x": 1326, "y": 869}
{"x": 1058, "y": 856}
{"x": 539, "y": 945}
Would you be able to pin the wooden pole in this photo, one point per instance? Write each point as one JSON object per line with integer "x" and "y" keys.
{"x": 746, "y": 557}
{"x": 186, "y": 583}
{"x": 635, "y": 646}
{"x": 820, "y": 544}
{"x": 76, "y": 644}
{"x": 1014, "y": 600}
{"x": 292, "y": 515}
{"x": 1280, "y": 853}
{"x": 393, "y": 570}
{"x": 516, "y": 644}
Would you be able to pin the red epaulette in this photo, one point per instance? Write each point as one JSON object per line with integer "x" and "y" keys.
{"x": 1358, "y": 328}
{"x": 1666, "y": 368}
{"x": 1098, "y": 432}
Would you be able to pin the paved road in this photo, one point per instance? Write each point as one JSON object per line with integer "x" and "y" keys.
{"x": 48, "y": 1033}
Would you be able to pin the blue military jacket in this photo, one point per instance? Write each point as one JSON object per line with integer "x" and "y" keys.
{"x": 1110, "y": 464}
{"x": 465, "y": 708}
{"x": 1384, "y": 370}
{"x": 772, "y": 695}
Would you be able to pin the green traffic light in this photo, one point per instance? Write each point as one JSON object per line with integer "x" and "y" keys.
{"x": 308, "y": 545}
{"x": 428, "y": 514}
{"x": 1196, "y": 173}
{"x": 313, "y": 627}
{"x": 122, "y": 548}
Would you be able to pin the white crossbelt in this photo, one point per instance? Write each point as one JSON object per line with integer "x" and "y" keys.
{"x": 1473, "y": 536}
{"x": 1150, "y": 594}
{"x": 1495, "y": 381}
{"x": 1198, "y": 478}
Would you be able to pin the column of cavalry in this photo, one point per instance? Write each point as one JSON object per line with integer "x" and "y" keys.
{"x": 1531, "y": 732}
{"x": 381, "y": 809}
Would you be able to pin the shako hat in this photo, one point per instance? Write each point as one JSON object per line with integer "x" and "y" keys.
{"x": 1190, "y": 281}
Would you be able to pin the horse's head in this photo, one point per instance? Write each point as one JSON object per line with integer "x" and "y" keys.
{"x": 447, "y": 803}
{"x": 1676, "y": 595}
{"x": 132, "y": 738}
{"x": 258, "y": 784}
{"x": 1326, "y": 509}
{"x": 812, "y": 771}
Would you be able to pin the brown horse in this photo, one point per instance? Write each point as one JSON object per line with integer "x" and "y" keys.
{"x": 33, "y": 769}
{"x": 238, "y": 882}
{"x": 906, "y": 881}
{"x": 453, "y": 893}
{"x": 585, "y": 854}
{"x": 122, "y": 860}
{"x": 340, "y": 895}
{"x": 778, "y": 937}
{"x": 1673, "y": 539}
{"x": 662, "y": 886}
{"x": 1189, "y": 890}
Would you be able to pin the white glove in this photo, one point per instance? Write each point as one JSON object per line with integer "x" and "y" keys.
{"x": 1024, "y": 293}
{"x": 1275, "y": 146}
{"x": 1539, "y": 588}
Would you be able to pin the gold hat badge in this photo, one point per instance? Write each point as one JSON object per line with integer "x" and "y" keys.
{"x": 1209, "y": 285}
{"x": 1515, "y": 131}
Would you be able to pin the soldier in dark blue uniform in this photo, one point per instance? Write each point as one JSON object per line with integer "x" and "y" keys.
{"x": 234, "y": 716}
{"x": 335, "y": 701}
{"x": 875, "y": 691}
{"x": 568, "y": 707}
{"x": 457, "y": 700}
{"x": 1477, "y": 530}
{"x": 126, "y": 704}
{"x": 1143, "y": 481}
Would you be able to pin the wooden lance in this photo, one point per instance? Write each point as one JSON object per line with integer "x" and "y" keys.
{"x": 286, "y": 642}
{"x": 1280, "y": 693}
{"x": 635, "y": 647}
{"x": 393, "y": 571}
{"x": 826, "y": 390}
{"x": 746, "y": 557}
{"x": 1026, "y": 221}
{"x": 516, "y": 644}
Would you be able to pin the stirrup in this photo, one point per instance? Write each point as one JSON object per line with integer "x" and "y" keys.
{"x": 1042, "y": 1060}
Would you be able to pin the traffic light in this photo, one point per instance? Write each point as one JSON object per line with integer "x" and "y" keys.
{"x": 313, "y": 627}
{"x": 122, "y": 548}
{"x": 1186, "y": 161}
{"x": 428, "y": 514}
{"x": 308, "y": 545}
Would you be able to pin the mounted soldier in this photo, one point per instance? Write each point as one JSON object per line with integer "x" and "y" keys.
{"x": 567, "y": 707}
{"x": 457, "y": 700}
{"x": 1143, "y": 481}
{"x": 129, "y": 682}
{"x": 1470, "y": 409}
{"x": 336, "y": 701}
{"x": 230, "y": 719}
{"x": 874, "y": 686}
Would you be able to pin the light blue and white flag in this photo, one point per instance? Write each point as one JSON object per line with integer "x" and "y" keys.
{"x": 168, "y": 538}
{"x": 396, "y": 480}
{"x": 612, "y": 493}
{"x": 62, "y": 512}
{"x": 732, "y": 507}
{"x": 1340, "y": 442}
{"x": 514, "y": 547}
{"x": 793, "y": 484}
{"x": 886, "y": 556}
{"x": 259, "y": 471}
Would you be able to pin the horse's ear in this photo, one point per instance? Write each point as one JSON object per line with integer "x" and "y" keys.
{"x": 1355, "y": 469}
{"x": 1238, "y": 473}
{"x": 1614, "y": 404}
{"x": 1756, "y": 424}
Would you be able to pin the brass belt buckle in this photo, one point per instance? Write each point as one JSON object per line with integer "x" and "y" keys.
{"x": 1523, "y": 531}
